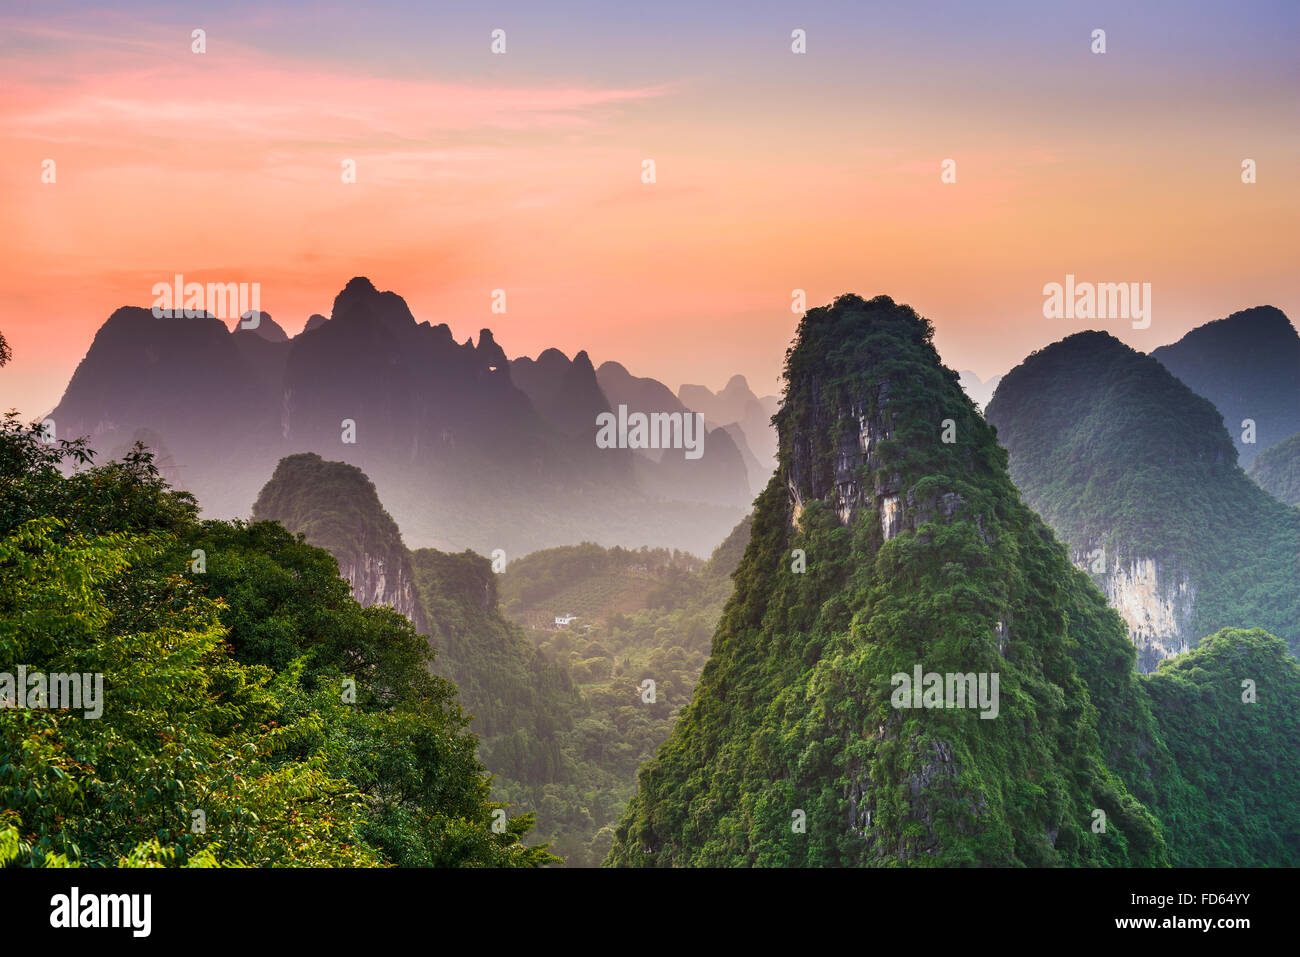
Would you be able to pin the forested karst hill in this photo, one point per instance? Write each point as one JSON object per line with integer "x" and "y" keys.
{"x": 335, "y": 507}
{"x": 522, "y": 706}
{"x": 1248, "y": 365}
{"x": 1139, "y": 476}
{"x": 918, "y": 552}
{"x": 879, "y": 548}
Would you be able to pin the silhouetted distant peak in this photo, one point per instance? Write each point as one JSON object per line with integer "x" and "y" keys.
{"x": 266, "y": 327}
{"x": 404, "y": 399}
{"x": 1257, "y": 321}
{"x": 550, "y": 359}
{"x": 637, "y": 392}
{"x": 490, "y": 351}
{"x": 1090, "y": 341}
{"x": 1248, "y": 365}
{"x": 737, "y": 385}
{"x": 139, "y": 317}
{"x": 359, "y": 284}
{"x": 360, "y": 302}
{"x": 123, "y": 313}
{"x": 550, "y": 364}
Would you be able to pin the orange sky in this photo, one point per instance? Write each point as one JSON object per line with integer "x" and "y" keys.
{"x": 774, "y": 172}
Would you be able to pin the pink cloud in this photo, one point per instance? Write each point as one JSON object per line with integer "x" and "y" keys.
{"x": 151, "y": 89}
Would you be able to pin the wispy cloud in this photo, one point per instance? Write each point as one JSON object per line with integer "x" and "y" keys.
{"x": 145, "y": 90}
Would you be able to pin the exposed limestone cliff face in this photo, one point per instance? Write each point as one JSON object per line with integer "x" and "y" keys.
{"x": 848, "y": 481}
{"x": 335, "y": 507}
{"x": 856, "y": 482}
{"x": 1116, "y": 454}
{"x": 891, "y": 516}
{"x": 1156, "y": 602}
{"x": 380, "y": 579}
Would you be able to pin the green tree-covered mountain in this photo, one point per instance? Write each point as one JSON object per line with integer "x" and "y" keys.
{"x": 879, "y": 548}
{"x": 335, "y": 507}
{"x": 1277, "y": 470}
{"x": 1248, "y": 365}
{"x": 1139, "y": 476}
{"x": 245, "y": 681}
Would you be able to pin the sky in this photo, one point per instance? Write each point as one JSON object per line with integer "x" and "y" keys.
{"x": 523, "y": 170}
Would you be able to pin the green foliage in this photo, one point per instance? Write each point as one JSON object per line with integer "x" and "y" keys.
{"x": 222, "y": 692}
{"x": 548, "y": 577}
{"x": 1277, "y": 470}
{"x": 184, "y": 727}
{"x": 1241, "y": 805}
{"x": 643, "y": 614}
{"x": 523, "y": 706}
{"x": 1248, "y": 365}
{"x": 333, "y": 505}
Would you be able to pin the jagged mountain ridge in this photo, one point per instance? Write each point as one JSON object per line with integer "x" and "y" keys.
{"x": 636, "y": 392}
{"x": 568, "y": 394}
{"x": 664, "y": 474}
{"x": 737, "y": 404}
{"x": 564, "y": 392}
{"x": 188, "y": 382}
{"x": 260, "y": 324}
{"x": 458, "y": 452}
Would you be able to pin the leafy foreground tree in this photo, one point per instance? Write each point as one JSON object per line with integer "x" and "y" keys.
{"x": 229, "y": 732}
